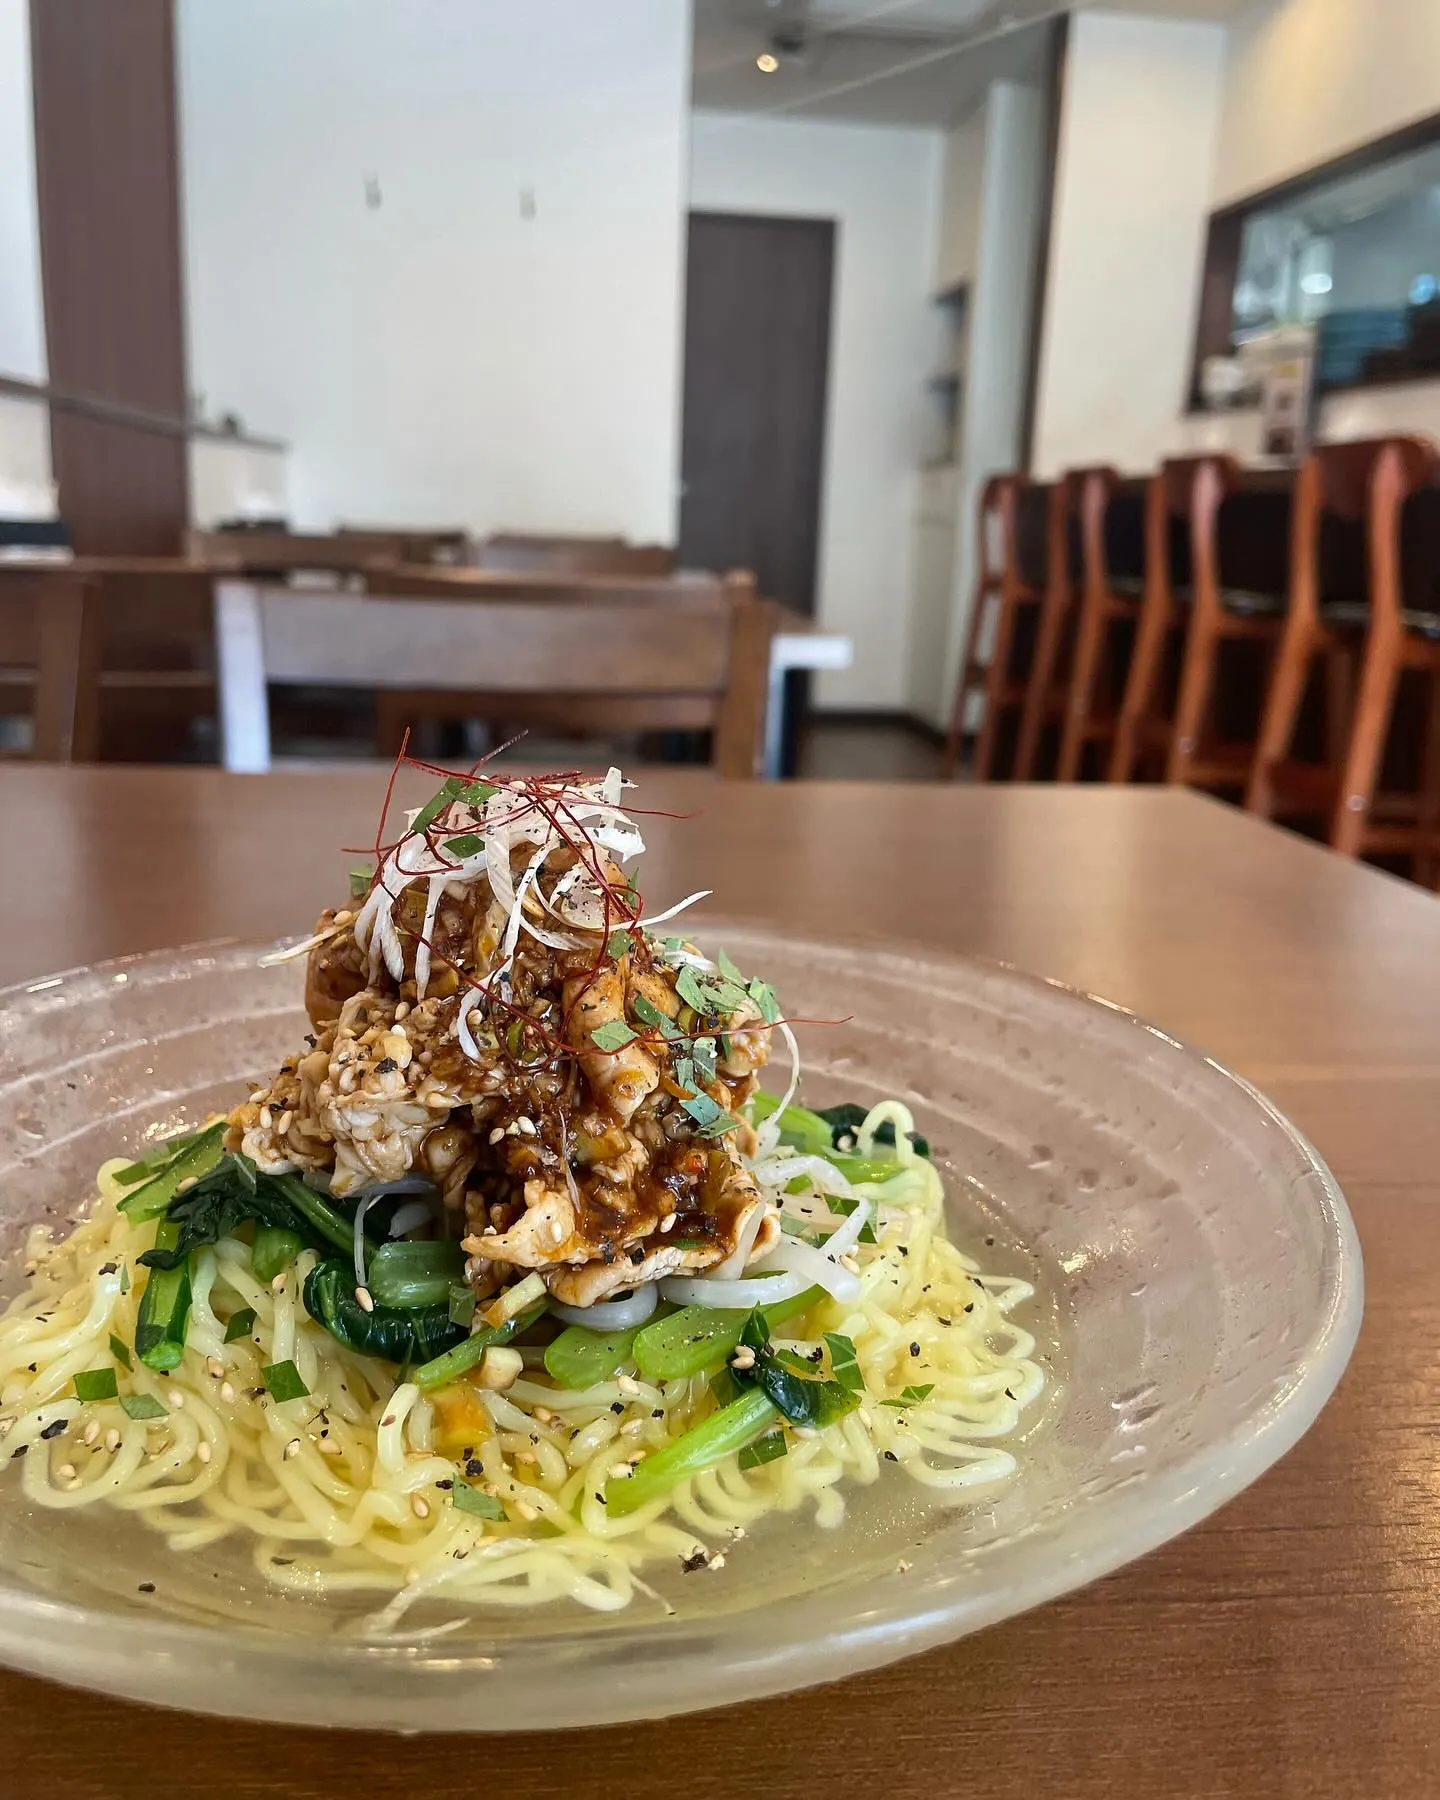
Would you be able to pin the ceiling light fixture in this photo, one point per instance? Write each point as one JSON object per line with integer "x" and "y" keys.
{"x": 767, "y": 63}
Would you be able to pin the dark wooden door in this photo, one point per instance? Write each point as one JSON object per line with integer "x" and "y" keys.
{"x": 757, "y": 345}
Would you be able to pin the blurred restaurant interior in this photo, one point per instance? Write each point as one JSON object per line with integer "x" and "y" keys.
{"x": 914, "y": 389}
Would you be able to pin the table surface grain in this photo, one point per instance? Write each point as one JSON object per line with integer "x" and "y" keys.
{"x": 1287, "y": 1648}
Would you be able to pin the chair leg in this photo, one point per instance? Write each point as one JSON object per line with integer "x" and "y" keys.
{"x": 1279, "y": 714}
{"x": 994, "y": 687}
{"x": 950, "y": 756}
{"x": 1090, "y": 643}
{"x": 1379, "y": 675}
{"x": 1037, "y": 689}
{"x": 1427, "y": 861}
{"x": 1197, "y": 674}
{"x": 1339, "y": 696}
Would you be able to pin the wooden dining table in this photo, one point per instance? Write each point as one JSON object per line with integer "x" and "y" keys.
{"x": 1286, "y": 1649}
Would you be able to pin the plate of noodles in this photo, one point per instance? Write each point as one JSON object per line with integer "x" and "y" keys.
{"x": 528, "y": 1300}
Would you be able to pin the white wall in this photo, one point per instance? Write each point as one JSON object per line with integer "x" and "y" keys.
{"x": 961, "y": 177}
{"x": 1307, "y": 80}
{"x": 1137, "y": 144}
{"x": 882, "y": 188}
{"x": 498, "y": 342}
{"x": 25, "y": 478}
{"x": 22, "y": 318}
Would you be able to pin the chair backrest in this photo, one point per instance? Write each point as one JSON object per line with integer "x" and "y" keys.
{"x": 693, "y": 656}
{"x": 997, "y": 558}
{"x": 400, "y": 544}
{"x": 1181, "y": 524}
{"x": 1091, "y": 492}
{"x": 289, "y": 552}
{"x": 49, "y": 659}
{"x": 1364, "y": 481}
{"x": 515, "y": 553}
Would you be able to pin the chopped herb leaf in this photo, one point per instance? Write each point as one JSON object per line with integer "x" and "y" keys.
{"x": 843, "y": 1204}
{"x": 96, "y": 1384}
{"x": 619, "y": 943}
{"x": 462, "y": 1306}
{"x": 765, "y": 1449}
{"x": 913, "y": 1395}
{"x": 142, "y": 1406}
{"x": 711, "y": 1119}
{"x": 843, "y": 1366}
{"x": 469, "y": 843}
{"x": 360, "y": 880}
{"x": 614, "y": 1034}
{"x": 703, "y": 1053}
{"x": 650, "y": 1014}
{"x": 456, "y": 787}
{"x": 764, "y": 997}
{"x": 241, "y": 1324}
{"x": 728, "y": 969}
{"x": 284, "y": 1381}
{"x": 685, "y": 1073}
{"x": 708, "y": 993}
{"x": 723, "y": 1388}
{"x": 474, "y": 1500}
{"x": 124, "y": 1278}
{"x": 120, "y": 1351}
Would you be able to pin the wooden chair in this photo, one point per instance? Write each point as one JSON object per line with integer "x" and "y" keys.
{"x": 1206, "y": 612}
{"x": 49, "y": 660}
{"x": 695, "y": 659}
{"x": 515, "y": 553}
{"x": 1047, "y": 688}
{"x": 1107, "y": 599}
{"x": 1370, "y": 481}
{"x": 997, "y": 579}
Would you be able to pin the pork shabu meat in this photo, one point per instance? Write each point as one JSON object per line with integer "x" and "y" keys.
{"x": 496, "y": 1018}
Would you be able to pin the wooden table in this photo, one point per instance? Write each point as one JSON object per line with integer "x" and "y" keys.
{"x": 1288, "y": 1648}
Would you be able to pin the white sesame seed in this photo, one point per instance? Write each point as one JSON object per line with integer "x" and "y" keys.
{"x": 669, "y": 1223}
{"x": 496, "y": 1135}
{"x": 526, "y": 1511}
{"x": 112, "y": 1440}
{"x": 91, "y": 1432}
{"x": 175, "y": 1399}
{"x": 632, "y": 1428}
{"x": 737, "y": 1531}
{"x": 851, "y": 1262}
{"x": 544, "y": 1415}
{"x": 66, "y": 1472}
{"x": 183, "y": 1187}
{"x": 277, "y": 1286}
{"x": 328, "y": 1447}
{"x": 420, "y": 1506}
{"x": 215, "y": 1366}
{"x": 364, "y": 1299}
{"x": 528, "y": 1126}
{"x": 203, "y": 1452}
{"x": 227, "y": 1392}
{"x": 292, "y": 1448}
{"x": 902, "y": 1567}
{"x": 621, "y": 1471}
{"x": 627, "y": 1384}
{"x": 718, "y": 1560}
{"x": 5, "y": 1426}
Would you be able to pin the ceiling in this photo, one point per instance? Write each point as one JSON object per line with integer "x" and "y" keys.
{"x": 891, "y": 62}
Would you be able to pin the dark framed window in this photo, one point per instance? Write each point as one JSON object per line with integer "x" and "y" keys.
{"x": 1349, "y": 250}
